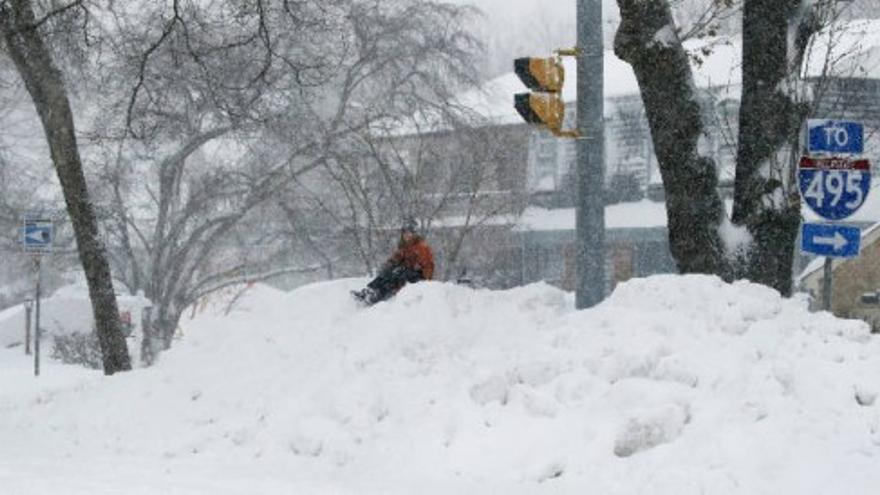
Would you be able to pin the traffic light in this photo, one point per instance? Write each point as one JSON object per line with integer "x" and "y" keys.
{"x": 544, "y": 105}
{"x": 540, "y": 74}
{"x": 541, "y": 108}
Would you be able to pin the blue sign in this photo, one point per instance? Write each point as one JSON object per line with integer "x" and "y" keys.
{"x": 838, "y": 241}
{"x": 835, "y": 136}
{"x": 834, "y": 188}
{"x": 37, "y": 234}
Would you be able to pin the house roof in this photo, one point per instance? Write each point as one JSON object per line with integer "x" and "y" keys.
{"x": 648, "y": 213}
{"x": 645, "y": 214}
{"x": 639, "y": 214}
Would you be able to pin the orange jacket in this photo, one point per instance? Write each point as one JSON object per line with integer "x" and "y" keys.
{"x": 416, "y": 255}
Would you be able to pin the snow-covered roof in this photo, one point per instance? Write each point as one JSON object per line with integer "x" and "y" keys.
{"x": 647, "y": 214}
{"x": 639, "y": 214}
{"x": 633, "y": 215}
{"x": 850, "y": 49}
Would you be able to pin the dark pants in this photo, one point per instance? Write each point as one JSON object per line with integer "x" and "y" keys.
{"x": 389, "y": 280}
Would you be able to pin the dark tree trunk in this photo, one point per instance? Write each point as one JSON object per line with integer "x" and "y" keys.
{"x": 165, "y": 326}
{"x": 46, "y": 87}
{"x": 646, "y": 40}
{"x": 765, "y": 198}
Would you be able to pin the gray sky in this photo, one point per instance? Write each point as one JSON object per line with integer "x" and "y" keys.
{"x": 500, "y": 13}
{"x": 513, "y": 28}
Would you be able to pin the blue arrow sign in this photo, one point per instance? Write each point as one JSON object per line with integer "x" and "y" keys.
{"x": 37, "y": 234}
{"x": 837, "y": 241}
{"x": 835, "y": 136}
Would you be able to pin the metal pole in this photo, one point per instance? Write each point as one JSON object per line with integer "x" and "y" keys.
{"x": 27, "y": 327}
{"x": 590, "y": 216}
{"x": 827, "y": 276}
{"x": 147, "y": 344}
{"x": 37, "y": 333}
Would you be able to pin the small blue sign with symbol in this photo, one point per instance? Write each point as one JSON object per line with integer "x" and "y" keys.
{"x": 837, "y": 241}
{"x": 834, "y": 188}
{"x": 37, "y": 234}
{"x": 835, "y": 136}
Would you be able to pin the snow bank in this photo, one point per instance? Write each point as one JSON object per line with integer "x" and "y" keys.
{"x": 66, "y": 311}
{"x": 674, "y": 385}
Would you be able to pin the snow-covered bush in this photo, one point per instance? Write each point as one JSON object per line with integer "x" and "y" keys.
{"x": 77, "y": 348}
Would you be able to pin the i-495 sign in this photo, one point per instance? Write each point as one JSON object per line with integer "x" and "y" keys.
{"x": 834, "y": 188}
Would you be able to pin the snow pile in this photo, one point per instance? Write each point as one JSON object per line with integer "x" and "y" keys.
{"x": 66, "y": 311}
{"x": 674, "y": 385}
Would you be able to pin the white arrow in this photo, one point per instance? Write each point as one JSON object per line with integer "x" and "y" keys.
{"x": 35, "y": 236}
{"x": 838, "y": 241}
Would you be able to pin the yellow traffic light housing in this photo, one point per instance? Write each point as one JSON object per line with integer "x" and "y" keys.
{"x": 545, "y": 109}
{"x": 540, "y": 74}
{"x": 544, "y": 105}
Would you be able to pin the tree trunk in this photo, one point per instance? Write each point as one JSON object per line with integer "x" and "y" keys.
{"x": 46, "y": 87}
{"x": 166, "y": 324}
{"x": 646, "y": 40}
{"x": 765, "y": 198}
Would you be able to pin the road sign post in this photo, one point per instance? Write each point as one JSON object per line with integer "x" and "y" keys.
{"x": 834, "y": 184}
{"x": 827, "y": 286}
{"x": 28, "y": 309}
{"x": 37, "y": 332}
{"x": 38, "y": 232}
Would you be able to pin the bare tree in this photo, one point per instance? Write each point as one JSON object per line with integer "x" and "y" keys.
{"x": 223, "y": 122}
{"x": 45, "y": 84}
{"x": 221, "y": 77}
{"x": 407, "y": 61}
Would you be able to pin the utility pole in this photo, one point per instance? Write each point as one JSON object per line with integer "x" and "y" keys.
{"x": 590, "y": 216}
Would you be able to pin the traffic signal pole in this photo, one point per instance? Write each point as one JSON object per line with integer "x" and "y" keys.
{"x": 590, "y": 207}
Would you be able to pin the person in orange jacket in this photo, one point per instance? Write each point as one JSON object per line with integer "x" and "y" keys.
{"x": 412, "y": 262}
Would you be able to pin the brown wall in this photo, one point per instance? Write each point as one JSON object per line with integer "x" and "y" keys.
{"x": 855, "y": 277}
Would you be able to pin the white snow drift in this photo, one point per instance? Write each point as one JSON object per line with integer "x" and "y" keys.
{"x": 675, "y": 385}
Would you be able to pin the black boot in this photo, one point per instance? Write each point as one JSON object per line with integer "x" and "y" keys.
{"x": 368, "y": 296}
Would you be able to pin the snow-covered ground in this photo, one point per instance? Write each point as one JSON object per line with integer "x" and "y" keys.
{"x": 675, "y": 385}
